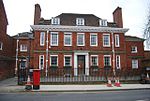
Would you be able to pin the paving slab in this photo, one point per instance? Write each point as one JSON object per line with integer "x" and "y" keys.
{"x": 91, "y": 87}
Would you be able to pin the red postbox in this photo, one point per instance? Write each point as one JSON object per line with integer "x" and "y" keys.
{"x": 36, "y": 78}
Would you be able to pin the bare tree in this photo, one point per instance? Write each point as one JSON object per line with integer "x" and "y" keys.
{"x": 147, "y": 31}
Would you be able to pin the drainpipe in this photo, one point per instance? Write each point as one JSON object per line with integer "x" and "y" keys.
{"x": 16, "y": 69}
{"x": 46, "y": 53}
{"x": 113, "y": 52}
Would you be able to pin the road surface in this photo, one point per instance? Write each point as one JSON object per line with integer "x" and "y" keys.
{"x": 130, "y": 95}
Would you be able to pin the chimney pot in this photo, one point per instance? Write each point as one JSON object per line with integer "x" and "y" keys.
{"x": 37, "y": 14}
{"x": 117, "y": 17}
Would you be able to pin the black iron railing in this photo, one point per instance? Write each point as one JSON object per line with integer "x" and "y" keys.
{"x": 71, "y": 75}
{"x": 94, "y": 75}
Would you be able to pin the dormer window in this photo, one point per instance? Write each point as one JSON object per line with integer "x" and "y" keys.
{"x": 102, "y": 22}
{"x": 55, "y": 21}
{"x": 79, "y": 21}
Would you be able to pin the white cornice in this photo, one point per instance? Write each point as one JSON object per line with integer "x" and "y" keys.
{"x": 78, "y": 28}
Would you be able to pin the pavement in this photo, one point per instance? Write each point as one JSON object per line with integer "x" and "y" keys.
{"x": 10, "y": 85}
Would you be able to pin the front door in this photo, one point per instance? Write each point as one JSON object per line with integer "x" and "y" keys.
{"x": 81, "y": 64}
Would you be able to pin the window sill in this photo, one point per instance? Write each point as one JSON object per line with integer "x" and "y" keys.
{"x": 93, "y": 45}
{"x": 106, "y": 46}
{"x": 67, "y": 45}
{"x": 133, "y": 52}
{"x": 23, "y": 51}
{"x": 80, "y": 45}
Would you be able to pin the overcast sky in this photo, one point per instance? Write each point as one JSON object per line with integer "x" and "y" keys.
{"x": 20, "y": 13}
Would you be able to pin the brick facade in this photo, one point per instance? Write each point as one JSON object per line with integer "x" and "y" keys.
{"x": 146, "y": 62}
{"x": 117, "y": 54}
{"x": 8, "y": 50}
{"x": 139, "y": 55}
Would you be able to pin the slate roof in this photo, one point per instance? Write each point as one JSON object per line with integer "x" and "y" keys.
{"x": 133, "y": 38}
{"x": 69, "y": 19}
{"x": 24, "y": 35}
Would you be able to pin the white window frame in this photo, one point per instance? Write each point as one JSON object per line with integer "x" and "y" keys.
{"x": 91, "y": 59}
{"x": 134, "y": 51}
{"x": 135, "y": 64}
{"x": 118, "y": 61}
{"x": 80, "y": 21}
{"x": 55, "y": 21}
{"x": 41, "y": 56}
{"x": 78, "y": 39}
{"x": 109, "y": 57}
{"x": 91, "y": 39}
{"x": 70, "y": 59}
{"x": 108, "y": 39}
{"x": 21, "y": 48}
{"x": 51, "y": 57}
{"x": 103, "y": 22}
{"x": 69, "y": 35}
{"x": 117, "y": 40}
{"x": 42, "y": 38}
{"x": 1, "y": 46}
{"x": 57, "y": 40}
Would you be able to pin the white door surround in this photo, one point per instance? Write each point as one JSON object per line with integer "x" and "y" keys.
{"x": 86, "y": 62}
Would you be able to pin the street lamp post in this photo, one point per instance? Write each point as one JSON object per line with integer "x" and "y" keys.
{"x": 16, "y": 68}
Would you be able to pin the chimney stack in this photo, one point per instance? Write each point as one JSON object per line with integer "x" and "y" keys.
{"x": 117, "y": 17}
{"x": 37, "y": 14}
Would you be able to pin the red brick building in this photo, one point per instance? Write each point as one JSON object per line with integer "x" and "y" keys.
{"x": 135, "y": 52}
{"x": 7, "y": 49}
{"x": 146, "y": 63}
{"x": 81, "y": 42}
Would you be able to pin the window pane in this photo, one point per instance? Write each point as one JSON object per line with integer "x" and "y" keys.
{"x": 117, "y": 40}
{"x": 41, "y": 65}
{"x": 23, "y": 47}
{"x": 118, "y": 62}
{"x": 94, "y": 61}
{"x": 55, "y": 21}
{"x": 67, "y": 61}
{"x": 93, "y": 39}
{"x": 106, "y": 40}
{"x": 106, "y": 61}
{"x": 80, "y": 39}
{"x": 134, "y": 49}
{"x": 103, "y": 22}
{"x": 53, "y": 60}
{"x": 134, "y": 64}
{"x": 42, "y": 38}
{"x": 67, "y": 39}
{"x": 54, "y": 39}
{"x": 80, "y": 21}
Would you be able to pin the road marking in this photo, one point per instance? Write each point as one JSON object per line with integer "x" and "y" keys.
{"x": 144, "y": 100}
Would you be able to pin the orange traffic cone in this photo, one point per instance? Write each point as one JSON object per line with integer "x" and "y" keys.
{"x": 28, "y": 85}
{"x": 117, "y": 83}
{"x": 109, "y": 84}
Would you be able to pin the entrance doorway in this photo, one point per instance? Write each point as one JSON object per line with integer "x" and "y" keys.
{"x": 81, "y": 64}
